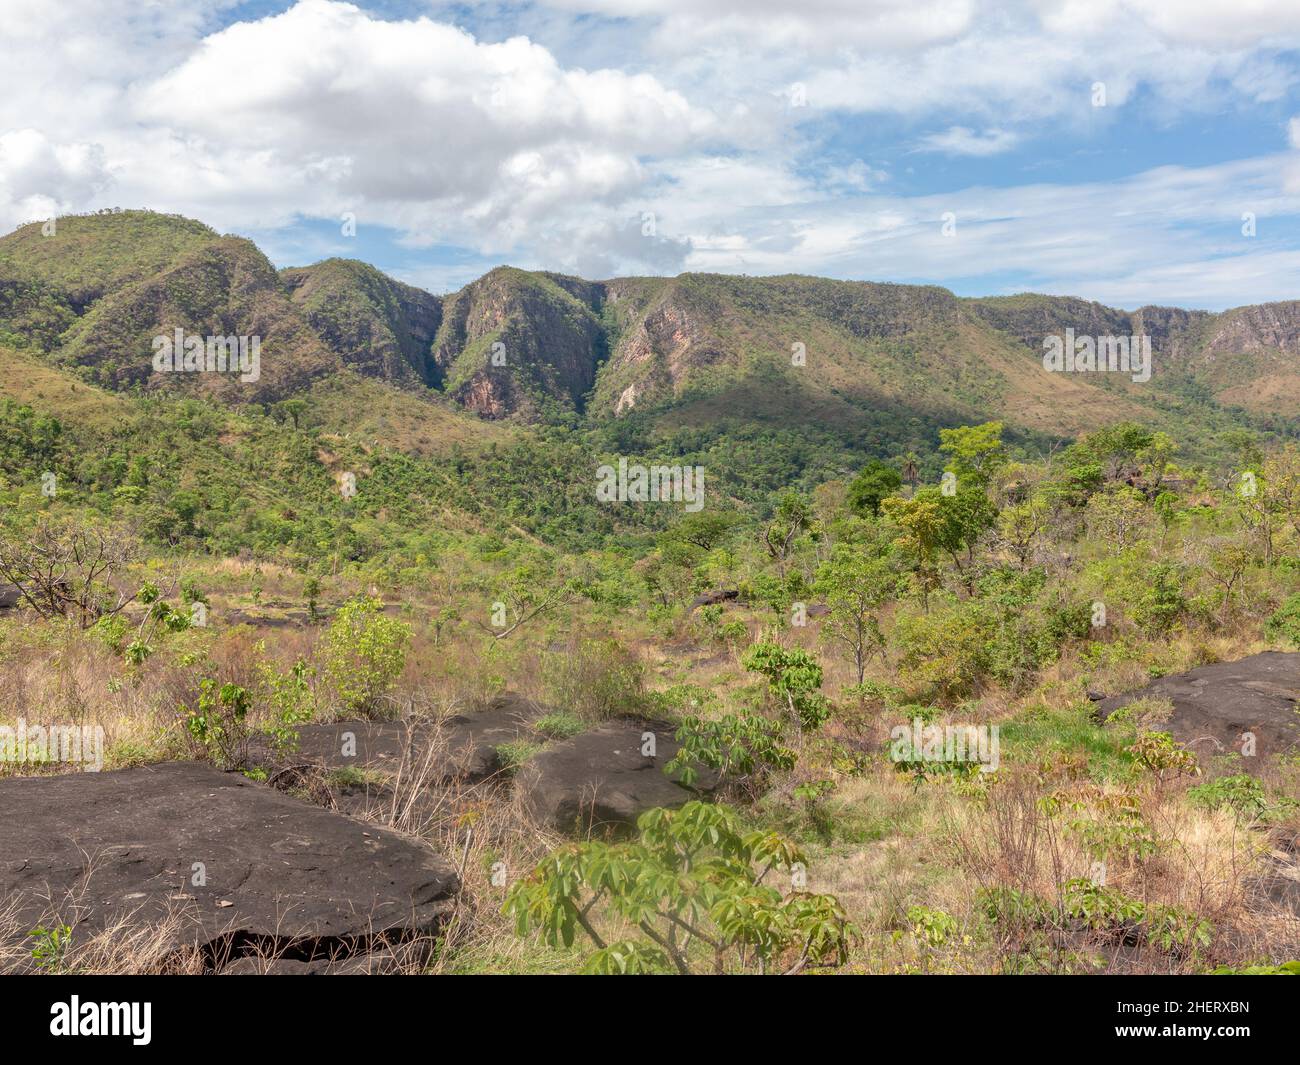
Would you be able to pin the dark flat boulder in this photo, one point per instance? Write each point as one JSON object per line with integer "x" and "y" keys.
{"x": 461, "y": 747}
{"x": 282, "y": 876}
{"x": 716, "y": 595}
{"x": 1216, "y": 705}
{"x": 600, "y": 781}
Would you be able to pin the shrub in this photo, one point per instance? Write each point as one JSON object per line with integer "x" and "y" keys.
{"x": 1242, "y": 794}
{"x": 733, "y": 745}
{"x": 219, "y": 724}
{"x": 291, "y": 703}
{"x": 794, "y": 679}
{"x": 945, "y": 651}
{"x": 515, "y": 754}
{"x": 365, "y": 652}
{"x": 1158, "y": 752}
{"x": 597, "y": 680}
{"x": 690, "y": 885}
{"x": 1284, "y": 625}
{"x": 1161, "y": 602}
{"x": 560, "y": 725}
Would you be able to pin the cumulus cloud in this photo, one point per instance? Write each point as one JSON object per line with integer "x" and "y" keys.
{"x": 40, "y": 178}
{"x": 415, "y": 122}
{"x": 499, "y": 147}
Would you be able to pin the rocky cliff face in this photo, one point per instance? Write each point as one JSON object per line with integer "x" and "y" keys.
{"x": 378, "y": 326}
{"x": 514, "y": 343}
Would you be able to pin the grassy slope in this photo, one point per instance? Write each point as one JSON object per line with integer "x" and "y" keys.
{"x": 25, "y": 378}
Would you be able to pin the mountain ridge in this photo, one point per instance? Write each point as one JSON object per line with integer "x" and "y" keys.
{"x": 539, "y": 346}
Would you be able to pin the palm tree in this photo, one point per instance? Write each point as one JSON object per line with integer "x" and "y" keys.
{"x": 911, "y": 469}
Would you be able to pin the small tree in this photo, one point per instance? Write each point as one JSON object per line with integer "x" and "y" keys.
{"x": 65, "y": 568}
{"x": 974, "y": 451}
{"x": 923, "y": 525}
{"x": 733, "y": 745}
{"x": 876, "y": 481}
{"x": 792, "y": 518}
{"x": 794, "y": 679}
{"x": 1021, "y": 527}
{"x": 855, "y": 582}
{"x": 697, "y": 889}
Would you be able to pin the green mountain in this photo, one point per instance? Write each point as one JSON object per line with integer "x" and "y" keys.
{"x": 519, "y": 343}
{"x": 647, "y": 361}
{"x": 376, "y": 325}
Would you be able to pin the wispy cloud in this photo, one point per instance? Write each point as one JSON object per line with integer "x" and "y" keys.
{"x": 958, "y": 140}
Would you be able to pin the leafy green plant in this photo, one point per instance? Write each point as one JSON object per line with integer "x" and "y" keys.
{"x": 219, "y": 724}
{"x": 931, "y": 927}
{"x": 1013, "y": 908}
{"x": 1167, "y": 928}
{"x": 1286, "y": 968}
{"x": 1098, "y": 906}
{"x": 1114, "y": 828}
{"x": 794, "y": 680}
{"x": 1284, "y": 625}
{"x": 1160, "y": 601}
{"x": 1241, "y": 793}
{"x": 560, "y": 725}
{"x": 1158, "y": 752}
{"x": 734, "y": 745}
{"x": 50, "y": 951}
{"x": 291, "y": 701}
{"x": 514, "y": 754}
{"x": 694, "y": 886}
{"x": 365, "y": 652}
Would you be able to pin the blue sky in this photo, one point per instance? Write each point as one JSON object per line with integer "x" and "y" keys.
{"x": 1128, "y": 151}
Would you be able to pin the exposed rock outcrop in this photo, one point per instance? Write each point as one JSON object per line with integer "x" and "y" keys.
{"x": 1217, "y": 706}
{"x": 601, "y": 781}
{"x": 217, "y": 862}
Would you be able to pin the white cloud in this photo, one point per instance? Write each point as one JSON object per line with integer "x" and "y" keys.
{"x": 40, "y": 178}
{"x": 958, "y": 140}
{"x": 1172, "y": 234}
{"x": 685, "y": 25}
{"x": 508, "y": 149}
{"x": 414, "y": 123}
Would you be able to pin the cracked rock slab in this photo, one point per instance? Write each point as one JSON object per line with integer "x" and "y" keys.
{"x": 235, "y": 861}
{"x": 1216, "y": 705}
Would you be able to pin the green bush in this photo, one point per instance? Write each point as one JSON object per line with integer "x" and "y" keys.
{"x": 219, "y": 723}
{"x": 365, "y": 652}
{"x": 1284, "y": 626}
{"x": 560, "y": 725}
{"x": 693, "y": 893}
{"x": 794, "y": 680}
{"x": 946, "y": 651}
{"x": 1160, "y": 604}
